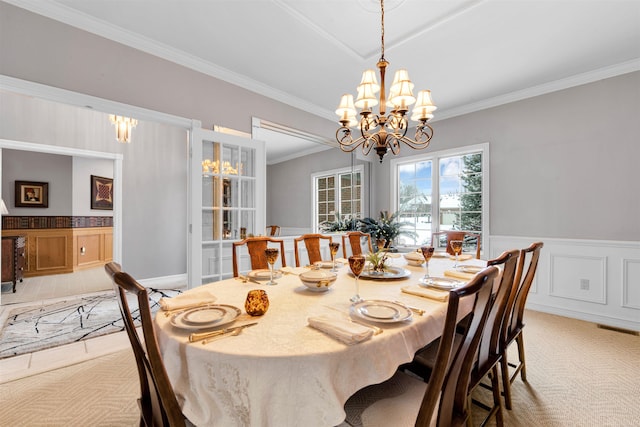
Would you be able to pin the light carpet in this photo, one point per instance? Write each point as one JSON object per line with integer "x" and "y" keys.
{"x": 579, "y": 376}
{"x": 48, "y": 324}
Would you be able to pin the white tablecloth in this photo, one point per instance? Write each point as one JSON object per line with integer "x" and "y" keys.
{"x": 282, "y": 372}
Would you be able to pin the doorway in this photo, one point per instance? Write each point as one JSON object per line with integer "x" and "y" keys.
{"x": 45, "y": 287}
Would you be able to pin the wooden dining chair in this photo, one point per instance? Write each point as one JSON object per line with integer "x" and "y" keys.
{"x": 312, "y": 244}
{"x": 514, "y": 324}
{"x": 255, "y": 247}
{"x": 354, "y": 239}
{"x": 443, "y": 401}
{"x": 158, "y": 403}
{"x": 450, "y": 235}
{"x": 489, "y": 350}
{"x": 273, "y": 230}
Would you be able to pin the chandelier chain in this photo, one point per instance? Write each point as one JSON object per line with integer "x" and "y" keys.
{"x": 382, "y": 28}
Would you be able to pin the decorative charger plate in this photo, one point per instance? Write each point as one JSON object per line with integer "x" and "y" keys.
{"x": 263, "y": 274}
{"x": 445, "y": 283}
{"x": 380, "y": 311}
{"x": 210, "y": 316}
{"x": 391, "y": 273}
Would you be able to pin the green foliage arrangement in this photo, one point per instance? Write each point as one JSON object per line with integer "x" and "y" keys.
{"x": 344, "y": 223}
{"x": 386, "y": 227}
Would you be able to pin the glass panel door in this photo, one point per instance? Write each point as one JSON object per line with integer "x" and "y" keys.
{"x": 227, "y": 189}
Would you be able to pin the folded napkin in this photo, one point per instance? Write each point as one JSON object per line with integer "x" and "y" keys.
{"x": 341, "y": 329}
{"x": 459, "y": 275}
{"x": 461, "y": 257}
{"x": 190, "y": 298}
{"x": 435, "y": 294}
{"x": 342, "y": 260}
{"x": 292, "y": 270}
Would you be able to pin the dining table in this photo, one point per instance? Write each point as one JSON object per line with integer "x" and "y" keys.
{"x": 283, "y": 372}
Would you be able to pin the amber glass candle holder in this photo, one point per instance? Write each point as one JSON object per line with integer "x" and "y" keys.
{"x": 257, "y": 302}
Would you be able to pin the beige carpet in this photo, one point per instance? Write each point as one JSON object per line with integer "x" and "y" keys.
{"x": 579, "y": 375}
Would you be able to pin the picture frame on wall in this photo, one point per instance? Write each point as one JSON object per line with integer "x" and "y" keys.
{"x": 101, "y": 193}
{"x": 32, "y": 194}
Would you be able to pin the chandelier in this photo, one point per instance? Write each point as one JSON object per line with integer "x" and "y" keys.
{"x": 123, "y": 127}
{"x": 384, "y": 132}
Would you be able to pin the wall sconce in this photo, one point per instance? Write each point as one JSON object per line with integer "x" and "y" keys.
{"x": 123, "y": 127}
{"x": 3, "y": 208}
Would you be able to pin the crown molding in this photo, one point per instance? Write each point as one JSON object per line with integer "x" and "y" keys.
{"x": 554, "y": 86}
{"x": 92, "y": 25}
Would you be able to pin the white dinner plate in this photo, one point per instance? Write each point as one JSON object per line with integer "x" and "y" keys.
{"x": 196, "y": 318}
{"x": 263, "y": 274}
{"x": 471, "y": 269}
{"x": 380, "y": 311}
{"x": 440, "y": 254}
{"x": 328, "y": 264}
{"x": 440, "y": 283}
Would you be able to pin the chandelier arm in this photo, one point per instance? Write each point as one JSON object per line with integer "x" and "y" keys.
{"x": 346, "y": 142}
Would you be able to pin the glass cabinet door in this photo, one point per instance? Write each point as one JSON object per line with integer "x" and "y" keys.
{"x": 230, "y": 186}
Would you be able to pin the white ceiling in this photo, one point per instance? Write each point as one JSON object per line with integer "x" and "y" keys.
{"x": 471, "y": 54}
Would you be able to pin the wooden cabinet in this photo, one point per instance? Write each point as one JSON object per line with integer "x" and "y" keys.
{"x": 13, "y": 259}
{"x": 63, "y": 250}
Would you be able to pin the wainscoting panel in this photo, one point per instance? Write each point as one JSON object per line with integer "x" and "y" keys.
{"x": 631, "y": 283}
{"x": 593, "y": 280}
{"x": 578, "y": 277}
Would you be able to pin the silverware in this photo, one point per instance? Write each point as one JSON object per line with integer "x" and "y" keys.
{"x": 246, "y": 279}
{"x": 197, "y": 336}
{"x": 233, "y": 333}
{"x": 416, "y": 310}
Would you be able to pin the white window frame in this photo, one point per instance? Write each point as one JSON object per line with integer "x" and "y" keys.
{"x": 435, "y": 157}
{"x": 336, "y": 172}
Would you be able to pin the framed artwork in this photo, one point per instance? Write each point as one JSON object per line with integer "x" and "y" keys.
{"x": 31, "y": 194}
{"x": 101, "y": 193}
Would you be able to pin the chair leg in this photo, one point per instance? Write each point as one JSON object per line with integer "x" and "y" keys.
{"x": 506, "y": 381}
{"x": 497, "y": 402}
{"x": 523, "y": 370}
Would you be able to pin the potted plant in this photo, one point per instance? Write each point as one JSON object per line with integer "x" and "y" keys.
{"x": 346, "y": 223}
{"x": 385, "y": 229}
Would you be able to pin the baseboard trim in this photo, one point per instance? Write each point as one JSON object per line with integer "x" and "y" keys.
{"x": 177, "y": 281}
{"x": 587, "y": 317}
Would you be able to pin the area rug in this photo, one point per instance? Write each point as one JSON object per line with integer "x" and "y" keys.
{"x": 40, "y": 326}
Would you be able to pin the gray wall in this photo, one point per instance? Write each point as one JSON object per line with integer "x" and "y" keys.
{"x": 45, "y": 51}
{"x": 562, "y": 165}
{"x": 83, "y": 168}
{"x": 51, "y": 168}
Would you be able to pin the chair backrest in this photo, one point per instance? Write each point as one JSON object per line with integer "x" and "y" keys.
{"x": 273, "y": 230}
{"x": 158, "y": 403}
{"x": 449, "y": 381}
{"x": 354, "y": 238}
{"x": 256, "y": 247}
{"x": 456, "y": 235}
{"x": 490, "y": 345}
{"x": 312, "y": 243}
{"x": 521, "y": 287}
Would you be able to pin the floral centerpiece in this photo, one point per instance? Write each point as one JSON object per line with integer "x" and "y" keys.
{"x": 378, "y": 260}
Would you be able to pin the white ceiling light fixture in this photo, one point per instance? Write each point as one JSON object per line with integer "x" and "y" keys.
{"x": 123, "y": 127}
{"x": 384, "y": 132}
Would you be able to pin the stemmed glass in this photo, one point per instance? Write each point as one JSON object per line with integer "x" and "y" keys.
{"x": 356, "y": 264}
{"x": 333, "y": 247}
{"x": 456, "y": 247}
{"x": 427, "y": 253}
{"x": 272, "y": 255}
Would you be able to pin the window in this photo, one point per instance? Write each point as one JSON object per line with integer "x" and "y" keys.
{"x": 441, "y": 191}
{"x": 337, "y": 195}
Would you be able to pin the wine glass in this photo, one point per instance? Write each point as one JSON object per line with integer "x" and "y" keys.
{"x": 356, "y": 264}
{"x": 333, "y": 247}
{"x": 456, "y": 247}
{"x": 272, "y": 255}
{"x": 427, "y": 253}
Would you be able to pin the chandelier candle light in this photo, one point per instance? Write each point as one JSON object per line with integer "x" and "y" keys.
{"x": 123, "y": 127}
{"x": 384, "y": 132}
